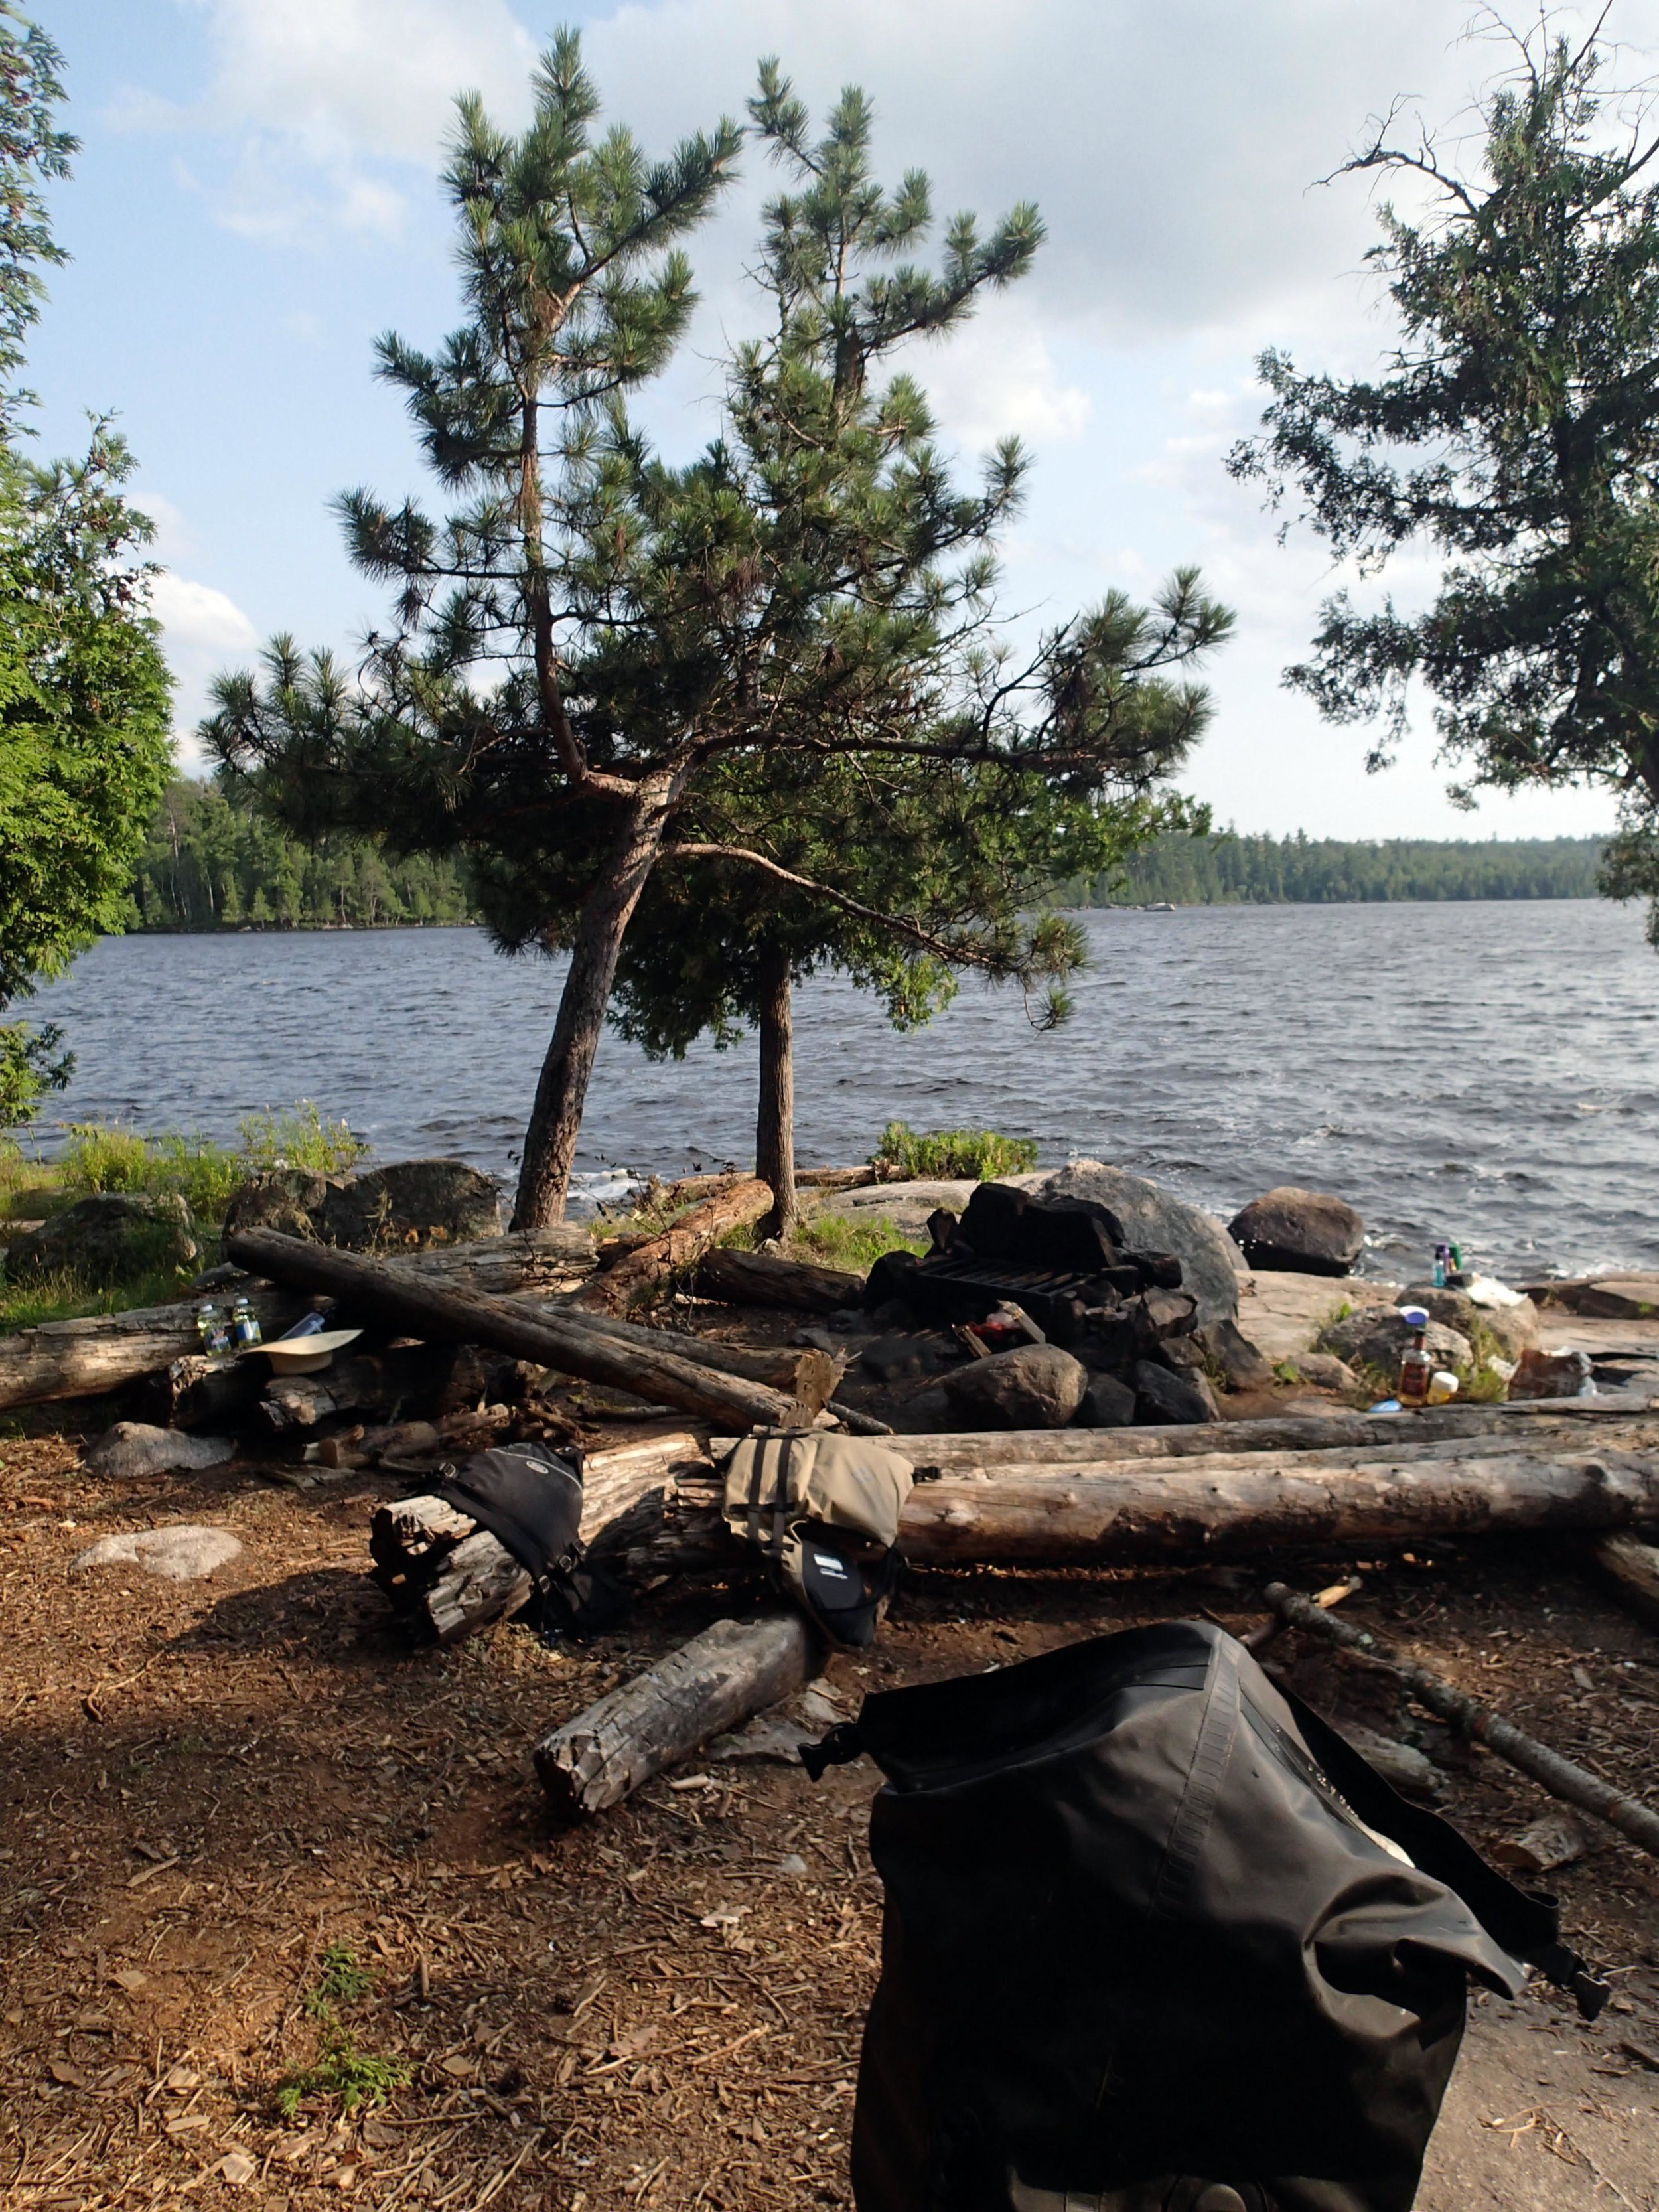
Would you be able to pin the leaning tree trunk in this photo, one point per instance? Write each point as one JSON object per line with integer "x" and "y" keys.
{"x": 550, "y": 1143}
{"x": 775, "y": 1121}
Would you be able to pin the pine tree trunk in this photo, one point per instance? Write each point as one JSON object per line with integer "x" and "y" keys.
{"x": 775, "y": 1121}
{"x": 550, "y": 1143}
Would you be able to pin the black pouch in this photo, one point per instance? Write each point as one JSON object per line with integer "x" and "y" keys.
{"x": 531, "y": 1500}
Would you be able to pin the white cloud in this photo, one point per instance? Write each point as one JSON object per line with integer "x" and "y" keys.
{"x": 319, "y": 99}
{"x": 204, "y": 632}
{"x": 996, "y": 378}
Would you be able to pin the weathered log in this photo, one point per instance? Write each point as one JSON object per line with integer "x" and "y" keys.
{"x": 834, "y": 1178}
{"x": 392, "y": 1295}
{"x": 699, "y": 1229}
{"x": 1040, "y": 1518}
{"x": 1630, "y": 1571}
{"x": 444, "y": 1573}
{"x": 715, "y": 1681}
{"x": 965, "y": 1451}
{"x": 383, "y": 1383}
{"x": 86, "y": 1359}
{"x": 761, "y": 1279}
{"x": 801, "y": 1374}
{"x": 1480, "y": 1724}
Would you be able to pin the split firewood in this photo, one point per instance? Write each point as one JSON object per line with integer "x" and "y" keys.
{"x": 362, "y": 1382}
{"x": 443, "y": 1572}
{"x": 1556, "y": 1840}
{"x": 716, "y": 1681}
{"x": 761, "y": 1279}
{"x": 1480, "y": 1724}
{"x": 679, "y": 1247}
{"x": 1628, "y": 1569}
{"x": 1136, "y": 1514}
{"x": 398, "y": 1298}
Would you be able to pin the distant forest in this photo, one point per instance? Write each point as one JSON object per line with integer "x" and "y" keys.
{"x": 1233, "y": 870}
{"x": 210, "y": 864}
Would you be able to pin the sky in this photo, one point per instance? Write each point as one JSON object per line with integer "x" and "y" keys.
{"x": 256, "y": 198}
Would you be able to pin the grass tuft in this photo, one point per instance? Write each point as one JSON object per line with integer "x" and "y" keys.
{"x": 952, "y": 1154}
{"x": 340, "y": 2072}
{"x": 830, "y": 1240}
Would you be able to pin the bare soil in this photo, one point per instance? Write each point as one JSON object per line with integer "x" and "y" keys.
{"x": 206, "y": 1785}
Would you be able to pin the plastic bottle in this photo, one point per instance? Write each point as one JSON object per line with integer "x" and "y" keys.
{"x": 1416, "y": 1366}
{"x": 1442, "y": 1255}
{"x": 1457, "y": 1251}
{"x": 244, "y": 1325}
{"x": 1443, "y": 1386}
{"x": 209, "y": 1327}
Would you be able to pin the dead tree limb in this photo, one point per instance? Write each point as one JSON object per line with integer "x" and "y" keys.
{"x": 713, "y": 1682}
{"x": 1480, "y": 1724}
{"x": 394, "y": 1297}
{"x": 761, "y": 1279}
{"x": 682, "y": 1246}
{"x": 802, "y": 1375}
{"x": 1629, "y": 1569}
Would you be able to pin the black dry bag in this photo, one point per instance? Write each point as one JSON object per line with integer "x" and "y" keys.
{"x": 1156, "y": 1940}
{"x": 531, "y": 1500}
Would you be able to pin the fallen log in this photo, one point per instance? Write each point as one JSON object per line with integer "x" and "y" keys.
{"x": 449, "y": 1576}
{"x": 715, "y": 1682}
{"x": 1147, "y": 1515}
{"x": 86, "y": 1359}
{"x": 967, "y": 1450}
{"x": 834, "y": 1178}
{"x": 800, "y": 1373}
{"x": 1630, "y": 1571}
{"x": 761, "y": 1279}
{"x": 699, "y": 1229}
{"x": 1479, "y": 1723}
{"x": 392, "y": 1295}
{"x": 381, "y": 1382}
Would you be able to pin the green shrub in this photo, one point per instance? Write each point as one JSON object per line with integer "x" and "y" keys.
{"x": 340, "y": 2070}
{"x": 952, "y": 1154}
{"x": 300, "y": 1140}
{"x": 101, "y": 1157}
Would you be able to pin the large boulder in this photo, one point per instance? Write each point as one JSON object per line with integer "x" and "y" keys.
{"x": 113, "y": 1236}
{"x": 1299, "y": 1232}
{"x": 409, "y": 1205}
{"x": 1153, "y": 1221}
{"x": 1376, "y": 1336}
{"x": 400, "y": 1208}
{"x": 1035, "y": 1386}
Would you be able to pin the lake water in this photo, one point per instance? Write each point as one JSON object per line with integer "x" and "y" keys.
{"x": 1483, "y": 1072}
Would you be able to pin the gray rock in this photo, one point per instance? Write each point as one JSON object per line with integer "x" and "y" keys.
{"x": 180, "y": 1554}
{"x": 134, "y": 1448}
{"x": 1300, "y": 1232}
{"x": 1245, "y": 1366}
{"x": 1552, "y": 1375}
{"x": 288, "y": 1199}
{"x": 1326, "y": 1371}
{"x": 1376, "y": 1336}
{"x": 110, "y": 1237}
{"x": 1410, "y": 1772}
{"x": 1035, "y": 1386}
{"x": 890, "y": 1359}
{"x": 1153, "y": 1221}
{"x": 1107, "y": 1404}
{"x": 1514, "y": 1327}
{"x": 1162, "y": 1398}
{"x": 409, "y": 1205}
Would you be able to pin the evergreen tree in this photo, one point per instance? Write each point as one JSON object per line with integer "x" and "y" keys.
{"x": 684, "y": 647}
{"x": 1515, "y": 433}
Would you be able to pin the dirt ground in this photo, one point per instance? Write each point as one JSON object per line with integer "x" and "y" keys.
{"x": 206, "y": 1786}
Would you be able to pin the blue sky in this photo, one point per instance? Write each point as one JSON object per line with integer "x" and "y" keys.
{"x": 256, "y": 198}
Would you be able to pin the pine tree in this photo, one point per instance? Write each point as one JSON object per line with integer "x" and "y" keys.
{"x": 809, "y": 597}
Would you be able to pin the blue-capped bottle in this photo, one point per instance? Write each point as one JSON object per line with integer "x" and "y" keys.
{"x": 244, "y": 1325}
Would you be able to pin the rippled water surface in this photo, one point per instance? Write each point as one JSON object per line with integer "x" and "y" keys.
{"x": 1483, "y": 1072}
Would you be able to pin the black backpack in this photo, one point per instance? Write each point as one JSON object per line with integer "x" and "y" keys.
{"x": 531, "y": 1500}
{"x": 1157, "y": 1940}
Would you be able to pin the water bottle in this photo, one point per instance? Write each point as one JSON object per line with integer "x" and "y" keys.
{"x": 244, "y": 1325}
{"x": 1442, "y": 1256}
{"x": 209, "y": 1327}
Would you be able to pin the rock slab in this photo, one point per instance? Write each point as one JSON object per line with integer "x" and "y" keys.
{"x": 134, "y": 1448}
{"x": 111, "y": 1237}
{"x": 1154, "y": 1221}
{"x": 1163, "y": 1399}
{"x": 181, "y": 1554}
{"x": 1302, "y": 1232}
{"x": 1035, "y": 1386}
